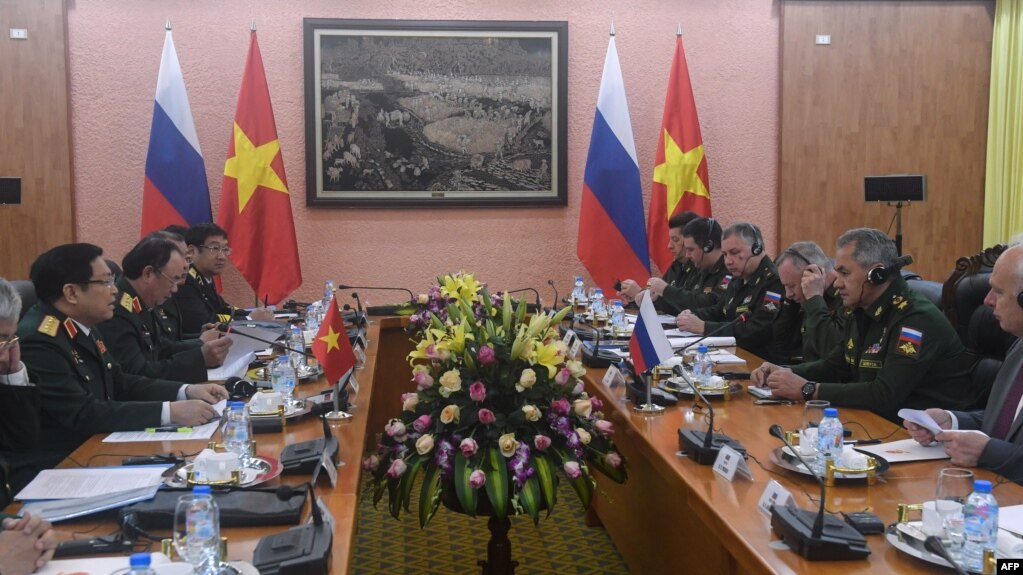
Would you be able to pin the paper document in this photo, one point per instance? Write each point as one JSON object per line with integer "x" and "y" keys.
{"x": 90, "y": 482}
{"x": 679, "y": 341}
{"x": 61, "y": 509}
{"x": 921, "y": 418}
{"x": 1011, "y": 519}
{"x": 235, "y": 367}
{"x": 906, "y": 450}
{"x": 718, "y": 356}
{"x": 198, "y": 432}
{"x": 661, "y": 317}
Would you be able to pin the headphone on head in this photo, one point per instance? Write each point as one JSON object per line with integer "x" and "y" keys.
{"x": 1019, "y": 299}
{"x": 795, "y": 254}
{"x": 757, "y": 247}
{"x": 708, "y": 243}
{"x": 879, "y": 275}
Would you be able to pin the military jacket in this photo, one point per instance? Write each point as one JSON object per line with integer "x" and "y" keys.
{"x": 759, "y": 296}
{"x": 19, "y": 433}
{"x": 899, "y": 352}
{"x": 198, "y": 303}
{"x": 82, "y": 388}
{"x": 809, "y": 331}
{"x": 134, "y": 337}
{"x": 169, "y": 319}
{"x": 676, "y": 276}
{"x": 701, "y": 289}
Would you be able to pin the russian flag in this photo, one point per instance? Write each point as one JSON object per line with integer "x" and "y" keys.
{"x": 612, "y": 240}
{"x": 175, "y": 189}
{"x": 911, "y": 335}
{"x": 649, "y": 346}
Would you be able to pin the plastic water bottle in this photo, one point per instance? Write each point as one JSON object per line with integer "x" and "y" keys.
{"x": 282, "y": 377}
{"x": 829, "y": 439}
{"x": 296, "y": 341}
{"x": 312, "y": 316}
{"x": 597, "y": 308}
{"x": 237, "y": 433}
{"x": 202, "y": 522}
{"x": 980, "y": 524}
{"x": 619, "y": 325}
{"x": 578, "y": 290}
{"x": 328, "y": 292}
{"x": 138, "y": 564}
{"x": 703, "y": 367}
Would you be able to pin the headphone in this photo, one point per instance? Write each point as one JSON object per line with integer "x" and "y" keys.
{"x": 240, "y": 388}
{"x": 792, "y": 252}
{"x": 757, "y": 247}
{"x": 1019, "y": 299}
{"x": 879, "y": 275}
{"x": 708, "y": 244}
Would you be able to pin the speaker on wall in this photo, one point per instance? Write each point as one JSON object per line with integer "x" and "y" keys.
{"x": 10, "y": 190}
{"x": 896, "y": 188}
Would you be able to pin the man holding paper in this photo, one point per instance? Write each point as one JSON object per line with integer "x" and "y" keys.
{"x": 989, "y": 438}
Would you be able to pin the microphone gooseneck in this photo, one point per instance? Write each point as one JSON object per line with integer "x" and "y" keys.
{"x": 818, "y": 524}
{"x": 557, "y": 302}
{"x": 935, "y": 546}
{"x": 520, "y": 290}
{"x": 411, "y": 296}
{"x": 226, "y": 328}
{"x": 708, "y": 438}
{"x": 740, "y": 317}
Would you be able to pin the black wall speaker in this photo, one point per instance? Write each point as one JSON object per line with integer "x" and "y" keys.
{"x": 900, "y": 188}
{"x": 10, "y": 190}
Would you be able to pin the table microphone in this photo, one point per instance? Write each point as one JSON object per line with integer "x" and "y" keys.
{"x": 703, "y": 447}
{"x": 411, "y": 296}
{"x": 934, "y": 545}
{"x": 539, "y": 303}
{"x": 300, "y": 550}
{"x": 815, "y": 536}
{"x": 553, "y": 287}
{"x": 226, "y": 328}
{"x": 741, "y": 317}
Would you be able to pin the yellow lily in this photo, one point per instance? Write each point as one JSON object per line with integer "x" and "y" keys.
{"x": 430, "y": 338}
{"x": 452, "y": 285}
{"x": 470, "y": 287}
{"x": 546, "y": 355}
{"x": 456, "y": 336}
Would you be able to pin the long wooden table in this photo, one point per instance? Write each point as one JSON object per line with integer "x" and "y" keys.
{"x": 671, "y": 516}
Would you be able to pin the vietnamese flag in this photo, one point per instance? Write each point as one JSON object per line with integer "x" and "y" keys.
{"x": 255, "y": 206}
{"x": 331, "y": 347}
{"x": 680, "y": 170}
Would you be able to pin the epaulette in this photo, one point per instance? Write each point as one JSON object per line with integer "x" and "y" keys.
{"x": 900, "y": 302}
{"x": 126, "y": 301}
{"x": 49, "y": 326}
{"x": 194, "y": 273}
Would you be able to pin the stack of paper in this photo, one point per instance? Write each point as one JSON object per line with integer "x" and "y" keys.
{"x": 59, "y": 494}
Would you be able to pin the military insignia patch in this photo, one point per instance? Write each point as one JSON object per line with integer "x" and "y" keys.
{"x": 49, "y": 326}
{"x": 707, "y": 290}
{"x": 896, "y": 300}
{"x": 874, "y": 349}
{"x": 725, "y": 281}
{"x": 742, "y": 309}
{"x": 136, "y": 306}
{"x": 126, "y": 302}
{"x": 878, "y": 312}
{"x": 71, "y": 328}
{"x": 102, "y": 347}
{"x": 748, "y": 299}
{"x": 910, "y": 342}
{"x": 849, "y": 344}
{"x": 224, "y": 317}
{"x": 194, "y": 273}
{"x": 771, "y": 301}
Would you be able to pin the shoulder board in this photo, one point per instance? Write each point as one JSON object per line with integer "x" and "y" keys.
{"x": 193, "y": 272}
{"x": 224, "y": 317}
{"x": 49, "y": 326}
{"x": 126, "y": 301}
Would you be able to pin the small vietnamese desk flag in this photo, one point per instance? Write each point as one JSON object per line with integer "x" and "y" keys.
{"x": 649, "y": 346}
{"x": 611, "y": 243}
{"x": 680, "y": 169}
{"x": 255, "y": 206}
{"x": 175, "y": 190}
{"x": 331, "y": 347}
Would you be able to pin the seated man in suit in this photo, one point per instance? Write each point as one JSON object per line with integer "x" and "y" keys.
{"x": 812, "y": 318}
{"x": 991, "y": 438}
{"x": 167, "y": 313}
{"x": 681, "y": 269}
{"x": 19, "y": 398}
{"x": 753, "y": 292}
{"x": 83, "y": 390}
{"x": 198, "y": 302}
{"x": 153, "y": 269}
{"x": 898, "y": 351}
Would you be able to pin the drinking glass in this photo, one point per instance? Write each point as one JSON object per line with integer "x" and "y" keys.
{"x": 195, "y": 555}
{"x": 813, "y": 413}
{"x": 954, "y": 486}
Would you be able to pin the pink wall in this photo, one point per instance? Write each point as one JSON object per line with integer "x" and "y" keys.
{"x": 733, "y": 54}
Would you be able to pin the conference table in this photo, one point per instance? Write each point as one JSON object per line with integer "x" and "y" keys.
{"x": 671, "y": 516}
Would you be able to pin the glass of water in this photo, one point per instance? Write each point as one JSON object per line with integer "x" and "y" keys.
{"x": 954, "y": 486}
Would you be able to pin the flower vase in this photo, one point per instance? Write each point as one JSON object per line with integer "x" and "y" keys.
{"x": 499, "y": 561}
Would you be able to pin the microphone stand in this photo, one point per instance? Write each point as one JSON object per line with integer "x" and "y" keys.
{"x": 557, "y": 302}
{"x": 226, "y": 328}
{"x": 337, "y": 414}
{"x": 649, "y": 408}
{"x": 539, "y": 303}
{"x": 704, "y": 450}
{"x": 411, "y": 296}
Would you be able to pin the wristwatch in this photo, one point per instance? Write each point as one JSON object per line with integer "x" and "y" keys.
{"x": 809, "y": 388}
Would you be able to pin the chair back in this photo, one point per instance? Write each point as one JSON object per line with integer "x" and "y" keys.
{"x": 964, "y": 290}
{"x": 927, "y": 288}
{"x": 27, "y": 291}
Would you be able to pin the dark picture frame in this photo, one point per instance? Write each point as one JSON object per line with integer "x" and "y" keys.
{"x": 428, "y": 113}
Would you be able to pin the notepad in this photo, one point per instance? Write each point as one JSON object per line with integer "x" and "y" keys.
{"x": 90, "y": 481}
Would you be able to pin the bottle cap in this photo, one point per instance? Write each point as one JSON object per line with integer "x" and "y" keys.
{"x": 202, "y": 490}
{"x": 139, "y": 560}
{"x": 702, "y": 349}
{"x": 235, "y": 404}
{"x": 830, "y": 412}
{"x": 598, "y": 291}
{"x": 982, "y": 486}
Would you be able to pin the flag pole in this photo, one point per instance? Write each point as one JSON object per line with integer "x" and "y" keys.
{"x": 167, "y": 26}
{"x": 678, "y": 31}
{"x": 337, "y": 414}
{"x": 649, "y": 408}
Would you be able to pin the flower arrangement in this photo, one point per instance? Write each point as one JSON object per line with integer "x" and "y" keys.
{"x": 497, "y": 411}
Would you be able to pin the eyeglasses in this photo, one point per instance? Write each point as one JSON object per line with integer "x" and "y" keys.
{"x": 108, "y": 282}
{"x": 226, "y": 250}
{"x": 175, "y": 281}
{"x": 8, "y": 343}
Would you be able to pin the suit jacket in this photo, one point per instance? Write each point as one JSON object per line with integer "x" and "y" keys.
{"x": 135, "y": 339}
{"x": 81, "y": 386}
{"x": 19, "y": 430}
{"x": 1003, "y": 456}
{"x": 197, "y": 302}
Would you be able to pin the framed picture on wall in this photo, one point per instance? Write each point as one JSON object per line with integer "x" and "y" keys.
{"x": 416, "y": 113}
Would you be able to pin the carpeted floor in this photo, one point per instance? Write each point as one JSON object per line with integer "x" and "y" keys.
{"x": 452, "y": 542}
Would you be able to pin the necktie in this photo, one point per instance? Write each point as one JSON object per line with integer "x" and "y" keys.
{"x": 1008, "y": 412}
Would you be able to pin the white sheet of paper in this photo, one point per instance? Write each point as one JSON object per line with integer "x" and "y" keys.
{"x": 1011, "y": 519}
{"x": 682, "y": 339}
{"x": 235, "y": 367}
{"x": 54, "y": 510}
{"x": 905, "y": 450}
{"x": 199, "y": 432}
{"x": 921, "y": 418}
{"x": 718, "y": 356}
{"x": 89, "y": 481}
{"x": 243, "y": 350}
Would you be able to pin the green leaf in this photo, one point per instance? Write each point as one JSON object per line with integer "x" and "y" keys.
{"x": 506, "y": 313}
{"x": 393, "y": 499}
{"x": 496, "y": 469}
{"x": 408, "y": 479}
{"x": 583, "y": 486}
{"x": 547, "y": 480}
{"x": 466, "y": 494}
{"x": 487, "y": 304}
{"x": 529, "y": 496}
{"x": 378, "y": 492}
{"x": 616, "y": 474}
{"x": 429, "y": 497}
{"x": 520, "y": 313}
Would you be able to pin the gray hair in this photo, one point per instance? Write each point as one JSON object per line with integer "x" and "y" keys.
{"x": 872, "y": 247}
{"x": 749, "y": 233}
{"x": 802, "y": 254}
{"x": 10, "y": 302}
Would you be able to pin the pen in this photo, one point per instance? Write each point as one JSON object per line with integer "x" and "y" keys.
{"x": 169, "y": 428}
{"x": 862, "y": 442}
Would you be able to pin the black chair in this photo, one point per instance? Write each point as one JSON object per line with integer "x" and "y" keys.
{"x": 27, "y": 291}
{"x": 927, "y": 288}
{"x": 963, "y": 294}
{"x": 909, "y": 275}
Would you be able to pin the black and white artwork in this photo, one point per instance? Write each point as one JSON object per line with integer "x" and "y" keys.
{"x": 425, "y": 113}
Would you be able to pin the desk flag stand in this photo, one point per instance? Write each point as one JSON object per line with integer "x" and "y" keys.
{"x": 337, "y": 414}
{"x": 649, "y": 407}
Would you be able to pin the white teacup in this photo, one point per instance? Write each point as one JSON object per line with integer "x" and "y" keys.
{"x": 808, "y": 441}
{"x": 266, "y": 401}
{"x": 932, "y": 524}
{"x": 210, "y": 466}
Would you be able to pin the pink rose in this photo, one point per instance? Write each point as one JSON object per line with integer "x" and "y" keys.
{"x": 486, "y": 416}
{"x": 604, "y": 427}
{"x": 371, "y": 463}
{"x": 477, "y": 391}
{"x": 572, "y": 470}
{"x": 468, "y": 447}
{"x": 486, "y": 355}
{"x": 542, "y": 442}
{"x": 563, "y": 376}
{"x": 422, "y": 423}
{"x": 596, "y": 403}
{"x": 560, "y": 406}
{"x": 395, "y": 428}
{"x": 477, "y": 478}
{"x": 613, "y": 459}
{"x": 398, "y": 467}
{"x": 423, "y": 380}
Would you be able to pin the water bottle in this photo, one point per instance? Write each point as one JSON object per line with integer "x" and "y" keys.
{"x": 597, "y": 308}
{"x": 312, "y": 316}
{"x": 703, "y": 367}
{"x": 578, "y": 291}
{"x": 328, "y": 292}
{"x": 296, "y": 341}
{"x": 237, "y": 433}
{"x": 829, "y": 440}
{"x": 138, "y": 564}
{"x": 980, "y": 524}
{"x": 202, "y": 522}
{"x": 619, "y": 325}
{"x": 282, "y": 377}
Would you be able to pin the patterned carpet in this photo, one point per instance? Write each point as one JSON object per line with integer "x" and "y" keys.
{"x": 452, "y": 543}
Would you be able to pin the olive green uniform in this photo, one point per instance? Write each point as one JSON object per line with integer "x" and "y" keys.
{"x": 701, "y": 289}
{"x": 676, "y": 276}
{"x": 759, "y": 297}
{"x": 807, "y": 332}
{"x": 135, "y": 339}
{"x": 900, "y": 352}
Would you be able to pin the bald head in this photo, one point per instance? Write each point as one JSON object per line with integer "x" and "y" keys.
{"x": 1006, "y": 285}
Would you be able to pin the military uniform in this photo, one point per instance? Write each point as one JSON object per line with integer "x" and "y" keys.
{"x": 82, "y": 388}
{"x": 899, "y": 352}
{"x": 758, "y": 296}
{"x": 135, "y": 340}
{"x": 169, "y": 320}
{"x": 676, "y": 276}
{"x": 807, "y": 332}
{"x": 198, "y": 303}
{"x": 701, "y": 289}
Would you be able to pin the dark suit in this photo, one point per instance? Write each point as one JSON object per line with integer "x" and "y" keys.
{"x": 197, "y": 303}
{"x": 19, "y": 430}
{"x": 82, "y": 388}
{"x": 134, "y": 338}
{"x": 1003, "y": 456}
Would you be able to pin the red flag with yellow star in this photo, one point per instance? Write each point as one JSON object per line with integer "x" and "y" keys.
{"x": 331, "y": 347}
{"x": 255, "y": 206}
{"x": 680, "y": 170}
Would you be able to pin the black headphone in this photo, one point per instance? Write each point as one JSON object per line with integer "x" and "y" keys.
{"x": 239, "y": 388}
{"x": 879, "y": 275}
{"x": 757, "y": 247}
{"x": 1019, "y": 299}
{"x": 792, "y": 252}
{"x": 708, "y": 243}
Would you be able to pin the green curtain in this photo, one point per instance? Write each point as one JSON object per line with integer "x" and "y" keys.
{"x": 1003, "y": 190}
